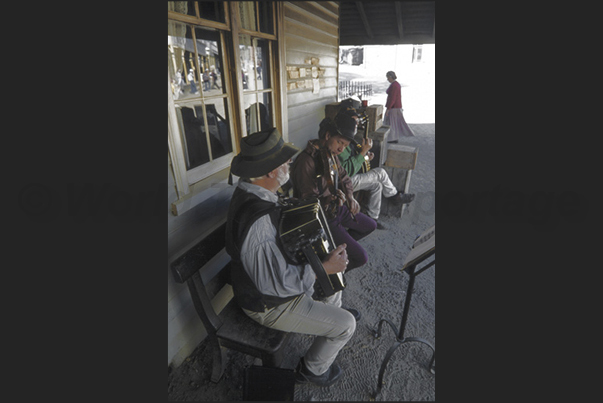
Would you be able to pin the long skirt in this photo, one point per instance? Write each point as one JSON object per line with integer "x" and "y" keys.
{"x": 397, "y": 125}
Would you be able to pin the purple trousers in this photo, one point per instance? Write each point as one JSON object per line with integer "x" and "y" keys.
{"x": 345, "y": 229}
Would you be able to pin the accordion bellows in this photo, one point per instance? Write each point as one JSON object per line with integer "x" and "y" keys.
{"x": 306, "y": 238}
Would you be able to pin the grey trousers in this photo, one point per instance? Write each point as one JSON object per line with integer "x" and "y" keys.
{"x": 376, "y": 181}
{"x": 332, "y": 326}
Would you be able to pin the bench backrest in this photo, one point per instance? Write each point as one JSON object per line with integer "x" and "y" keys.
{"x": 204, "y": 262}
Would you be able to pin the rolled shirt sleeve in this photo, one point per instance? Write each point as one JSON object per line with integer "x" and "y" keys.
{"x": 265, "y": 264}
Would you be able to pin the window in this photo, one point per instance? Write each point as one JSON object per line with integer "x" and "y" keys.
{"x": 257, "y": 16}
{"x": 212, "y": 10}
{"x": 417, "y": 51}
{"x": 183, "y": 7}
{"x": 257, "y": 89}
{"x": 200, "y": 97}
{"x": 221, "y": 83}
{"x": 207, "y": 10}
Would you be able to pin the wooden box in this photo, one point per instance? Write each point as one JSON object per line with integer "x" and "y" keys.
{"x": 400, "y": 178}
{"x": 375, "y": 115}
{"x": 401, "y": 156}
{"x": 331, "y": 110}
{"x": 379, "y": 137}
{"x": 379, "y": 134}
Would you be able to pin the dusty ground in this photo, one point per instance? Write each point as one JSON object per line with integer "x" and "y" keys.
{"x": 377, "y": 290}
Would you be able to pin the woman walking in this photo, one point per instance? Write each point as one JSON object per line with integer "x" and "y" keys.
{"x": 393, "y": 114}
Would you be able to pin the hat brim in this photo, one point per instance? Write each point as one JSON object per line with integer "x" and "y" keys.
{"x": 254, "y": 169}
{"x": 348, "y": 135}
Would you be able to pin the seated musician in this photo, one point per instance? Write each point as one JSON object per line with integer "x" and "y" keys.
{"x": 376, "y": 180}
{"x": 313, "y": 177}
{"x": 269, "y": 289}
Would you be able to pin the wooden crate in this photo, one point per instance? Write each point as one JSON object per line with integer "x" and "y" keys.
{"x": 379, "y": 137}
{"x": 401, "y": 156}
{"x": 380, "y": 134}
{"x": 400, "y": 177}
{"x": 331, "y": 110}
{"x": 375, "y": 115}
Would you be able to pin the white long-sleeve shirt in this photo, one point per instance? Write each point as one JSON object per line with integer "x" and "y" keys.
{"x": 263, "y": 260}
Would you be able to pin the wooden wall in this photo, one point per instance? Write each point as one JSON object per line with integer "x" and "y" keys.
{"x": 185, "y": 330}
{"x": 311, "y": 40}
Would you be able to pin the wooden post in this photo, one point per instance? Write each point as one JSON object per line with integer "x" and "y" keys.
{"x": 400, "y": 177}
{"x": 400, "y": 162}
{"x": 379, "y": 137}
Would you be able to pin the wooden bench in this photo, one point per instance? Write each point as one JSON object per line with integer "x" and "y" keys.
{"x": 206, "y": 270}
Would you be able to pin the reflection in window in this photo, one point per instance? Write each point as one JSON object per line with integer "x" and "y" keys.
{"x": 247, "y": 14}
{"x": 266, "y": 97}
{"x": 247, "y": 62}
{"x": 262, "y": 64}
{"x": 182, "y": 7}
{"x": 255, "y": 61}
{"x": 195, "y": 130}
{"x": 266, "y": 21}
{"x": 258, "y": 116}
{"x": 212, "y": 10}
{"x": 255, "y": 70}
{"x": 181, "y": 55}
{"x": 195, "y": 63}
{"x": 264, "y": 17}
{"x": 219, "y": 128}
{"x": 210, "y": 53}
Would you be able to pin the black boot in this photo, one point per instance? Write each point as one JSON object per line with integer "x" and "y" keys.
{"x": 401, "y": 198}
{"x": 303, "y": 375}
{"x": 380, "y": 225}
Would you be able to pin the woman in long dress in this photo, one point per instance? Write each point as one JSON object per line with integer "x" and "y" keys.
{"x": 393, "y": 114}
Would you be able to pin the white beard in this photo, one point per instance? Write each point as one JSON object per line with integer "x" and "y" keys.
{"x": 282, "y": 177}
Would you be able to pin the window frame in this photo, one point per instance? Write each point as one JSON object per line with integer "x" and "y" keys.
{"x": 190, "y": 183}
{"x": 257, "y": 92}
{"x": 200, "y": 172}
{"x": 172, "y": 15}
{"x": 186, "y": 178}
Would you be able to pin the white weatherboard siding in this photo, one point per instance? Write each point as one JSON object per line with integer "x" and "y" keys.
{"x": 311, "y": 31}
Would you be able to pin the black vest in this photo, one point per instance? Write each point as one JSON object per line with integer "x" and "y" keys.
{"x": 245, "y": 208}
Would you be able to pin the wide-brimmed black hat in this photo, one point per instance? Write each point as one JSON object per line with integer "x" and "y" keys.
{"x": 346, "y": 125}
{"x": 262, "y": 152}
